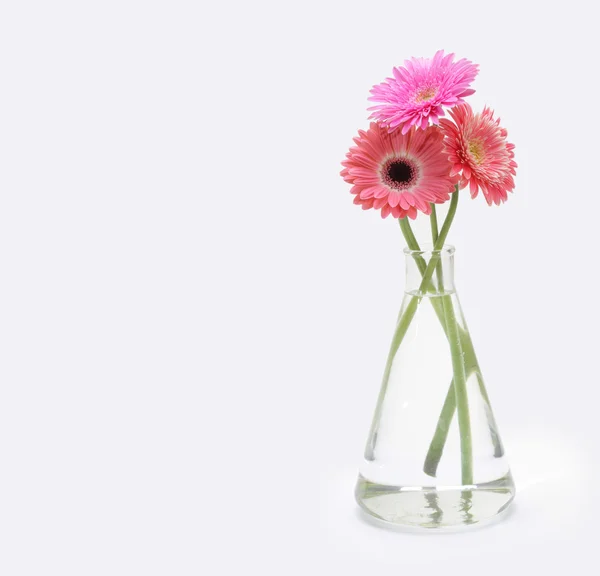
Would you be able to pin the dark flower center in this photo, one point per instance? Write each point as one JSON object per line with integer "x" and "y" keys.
{"x": 399, "y": 173}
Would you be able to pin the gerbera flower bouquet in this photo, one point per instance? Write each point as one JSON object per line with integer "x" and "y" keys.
{"x": 434, "y": 457}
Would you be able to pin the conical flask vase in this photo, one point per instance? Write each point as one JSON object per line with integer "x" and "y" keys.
{"x": 434, "y": 457}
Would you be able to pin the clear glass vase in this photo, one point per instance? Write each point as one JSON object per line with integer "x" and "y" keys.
{"x": 434, "y": 458}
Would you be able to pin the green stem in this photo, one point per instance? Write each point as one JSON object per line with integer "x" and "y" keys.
{"x": 434, "y": 223}
{"x": 493, "y": 429}
{"x": 438, "y": 443}
{"x": 412, "y": 244}
{"x": 459, "y": 361}
{"x": 439, "y": 243}
{"x": 436, "y": 448}
{"x": 434, "y": 237}
{"x": 459, "y": 383}
{"x": 459, "y": 380}
{"x": 405, "y": 320}
{"x": 460, "y": 392}
{"x": 457, "y": 397}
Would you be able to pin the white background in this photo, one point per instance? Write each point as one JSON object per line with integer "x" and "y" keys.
{"x": 194, "y": 317}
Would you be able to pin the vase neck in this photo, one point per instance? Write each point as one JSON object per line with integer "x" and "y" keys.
{"x": 442, "y": 277}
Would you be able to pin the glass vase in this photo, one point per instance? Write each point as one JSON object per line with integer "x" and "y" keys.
{"x": 434, "y": 457}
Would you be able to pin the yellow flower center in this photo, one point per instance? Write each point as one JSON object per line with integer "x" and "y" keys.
{"x": 425, "y": 94}
{"x": 476, "y": 150}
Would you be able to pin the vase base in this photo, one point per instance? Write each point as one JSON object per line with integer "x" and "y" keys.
{"x": 435, "y": 506}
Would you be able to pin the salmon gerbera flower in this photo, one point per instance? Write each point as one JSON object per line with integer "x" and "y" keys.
{"x": 419, "y": 90}
{"x": 398, "y": 173}
{"x": 477, "y": 147}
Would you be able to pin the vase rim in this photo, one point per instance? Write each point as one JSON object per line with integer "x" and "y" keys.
{"x": 447, "y": 250}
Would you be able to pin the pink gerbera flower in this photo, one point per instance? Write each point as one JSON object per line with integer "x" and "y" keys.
{"x": 415, "y": 96}
{"x": 477, "y": 146}
{"x": 398, "y": 173}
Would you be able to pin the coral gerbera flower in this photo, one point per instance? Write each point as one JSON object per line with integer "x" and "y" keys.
{"x": 399, "y": 173}
{"x": 415, "y": 96}
{"x": 477, "y": 146}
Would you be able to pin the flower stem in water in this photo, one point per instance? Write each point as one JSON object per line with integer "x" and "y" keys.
{"x": 406, "y": 318}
